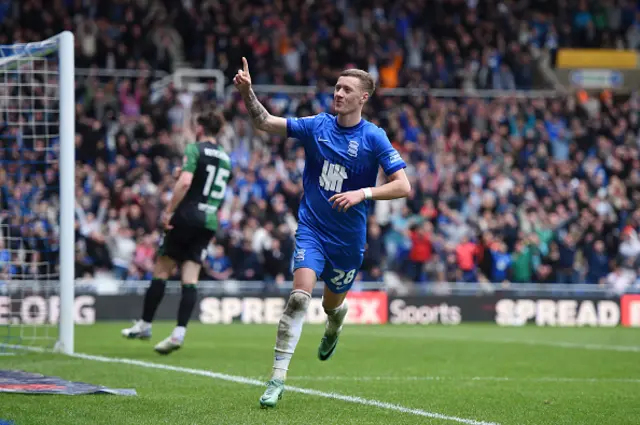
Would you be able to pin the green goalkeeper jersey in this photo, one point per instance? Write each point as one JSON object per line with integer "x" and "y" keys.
{"x": 211, "y": 168}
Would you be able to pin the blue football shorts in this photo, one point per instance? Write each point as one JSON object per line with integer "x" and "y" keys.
{"x": 336, "y": 267}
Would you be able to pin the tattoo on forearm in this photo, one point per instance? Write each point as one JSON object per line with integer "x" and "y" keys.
{"x": 257, "y": 112}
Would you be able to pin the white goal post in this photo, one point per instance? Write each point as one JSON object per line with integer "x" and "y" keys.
{"x": 37, "y": 89}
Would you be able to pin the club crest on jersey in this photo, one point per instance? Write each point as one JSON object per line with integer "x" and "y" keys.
{"x": 352, "y": 150}
{"x": 300, "y": 254}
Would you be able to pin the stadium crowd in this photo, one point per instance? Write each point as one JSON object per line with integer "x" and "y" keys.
{"x": 504, "y": 189}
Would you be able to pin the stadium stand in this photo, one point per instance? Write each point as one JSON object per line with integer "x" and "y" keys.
{"x": 506, "y": 189}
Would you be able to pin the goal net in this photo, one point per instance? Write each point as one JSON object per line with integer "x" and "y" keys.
{"x": 37, "y": 195}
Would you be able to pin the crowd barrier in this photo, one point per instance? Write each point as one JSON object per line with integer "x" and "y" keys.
{"x": 366, "y": 308}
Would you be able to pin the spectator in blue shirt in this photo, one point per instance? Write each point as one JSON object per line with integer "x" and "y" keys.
{"x": 218, "y": 265}
{"x": 501, "y": 263}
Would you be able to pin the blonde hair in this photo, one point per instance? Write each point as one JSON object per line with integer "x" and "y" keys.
{"x": 367, "y": 81}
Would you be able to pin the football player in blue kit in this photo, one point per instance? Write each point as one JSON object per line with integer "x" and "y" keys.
{"x": 343, "y": 155}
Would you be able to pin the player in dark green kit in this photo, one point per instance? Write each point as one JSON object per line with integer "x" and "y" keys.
{"x": 190, "y": 222}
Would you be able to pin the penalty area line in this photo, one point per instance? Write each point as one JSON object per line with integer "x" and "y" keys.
{"x": 490, "y": 340}
{"x": 549, "y": 379}
{"x": 256, "y": 382}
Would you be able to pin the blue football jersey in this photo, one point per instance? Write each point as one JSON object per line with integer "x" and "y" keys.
{"x": 340, "y": 159}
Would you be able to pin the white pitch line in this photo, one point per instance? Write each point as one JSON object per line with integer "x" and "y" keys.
{"x": 561, "y": 344}
{"x": 602, "y": 347}
{"x": 260, "y": 383}
{"x": 451, "y": 378}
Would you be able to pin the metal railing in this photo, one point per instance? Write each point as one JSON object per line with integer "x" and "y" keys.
{"x": 110, "y": 286}
{"x": 231, "y": 287}
{"x": 120, "y": 73}
{"x": 187, "y": 79}
{"x": 191, "y": 80}
{"x": 183, "y": 78}
{"x": 441, "y": 93}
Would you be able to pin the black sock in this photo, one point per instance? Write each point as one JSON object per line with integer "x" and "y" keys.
{"x": 187, "y": 304}
{"x": 152, "y": 299}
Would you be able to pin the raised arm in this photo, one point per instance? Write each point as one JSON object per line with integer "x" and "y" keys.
{"x": 260, "y": 117}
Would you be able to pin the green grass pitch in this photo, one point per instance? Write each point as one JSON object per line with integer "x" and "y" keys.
{"x": 468, "y": 373}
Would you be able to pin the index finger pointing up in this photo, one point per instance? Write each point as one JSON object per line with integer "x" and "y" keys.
{"x": 245, "y": 65}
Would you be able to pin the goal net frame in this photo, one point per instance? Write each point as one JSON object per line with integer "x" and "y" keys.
{"x": 12, "y": 58}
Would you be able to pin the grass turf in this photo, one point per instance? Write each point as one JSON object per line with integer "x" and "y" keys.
{"x": 486, "y": 373}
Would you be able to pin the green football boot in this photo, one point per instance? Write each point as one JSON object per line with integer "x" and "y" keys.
{"x": 329, "y": 341}
{"x": 327, "y": 346}
{"x": 273, "y": 393}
